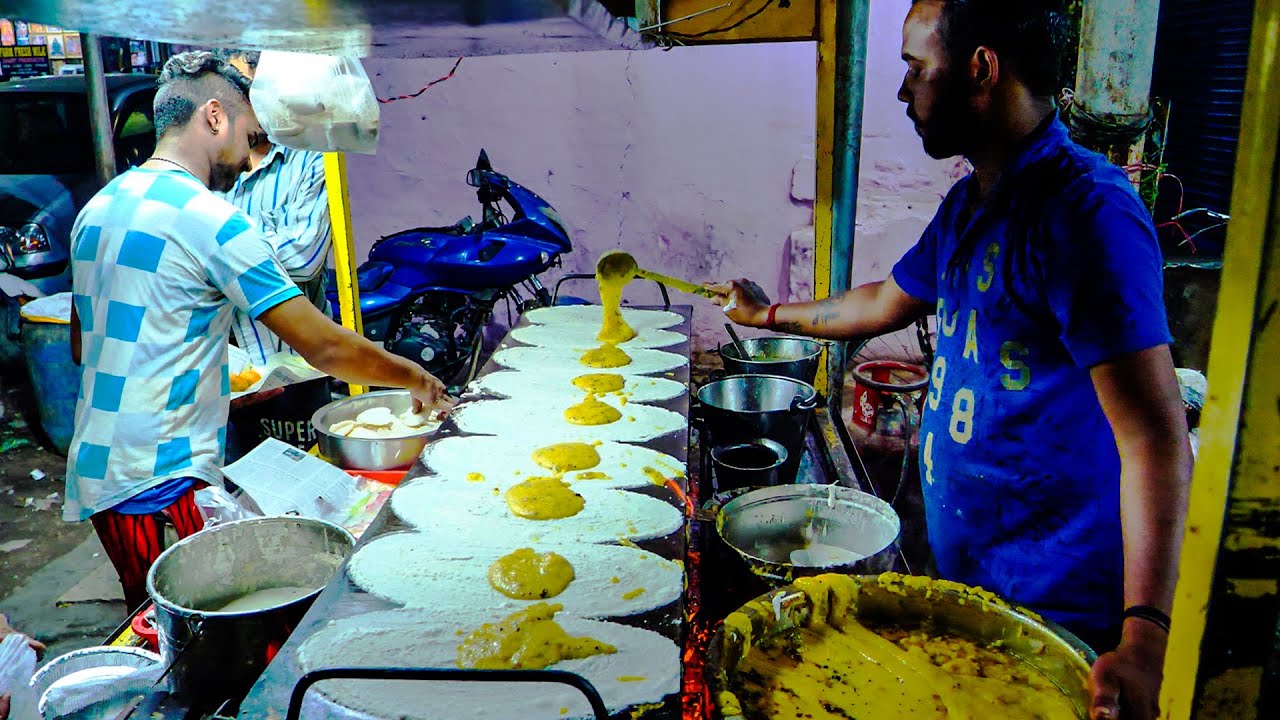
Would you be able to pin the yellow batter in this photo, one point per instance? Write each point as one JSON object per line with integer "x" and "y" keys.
{"x": 543, "y": 498}
{"x": 528, "y": 575}
{"x": 566, "y": 457}
{"x": 526, "y": 640}
{"x": 606, "y": 356}
{"x": 600, "y": 382}
{"x": 591, "y": 476}
{"x": 592, "y": 412}
{"x": 838, "y": 668}
{"x": 614, "y": 329}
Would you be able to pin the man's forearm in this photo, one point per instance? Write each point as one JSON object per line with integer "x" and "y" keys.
{"x": 864, "y": 311}
{"x": 357, "y": 360}
{"x": 1153, "y": 501}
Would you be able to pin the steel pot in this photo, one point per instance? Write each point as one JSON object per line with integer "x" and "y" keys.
{"x": 742, "y": 408}
{"x": 754, "y": 464}
{"x": 216, "y": 654}
{"x": 368, "y": 453}
{"x": 836, "y": 529}
{"x": 795, "y": 358}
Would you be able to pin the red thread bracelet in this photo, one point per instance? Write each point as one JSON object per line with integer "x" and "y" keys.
{"x": 772, "y": 317}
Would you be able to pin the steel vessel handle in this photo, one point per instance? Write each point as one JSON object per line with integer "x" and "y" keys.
{"x": 443, "y": 675}
{"x": 799, "y": 403}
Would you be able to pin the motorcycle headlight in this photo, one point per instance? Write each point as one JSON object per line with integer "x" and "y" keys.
{"x": 31, "y": 239}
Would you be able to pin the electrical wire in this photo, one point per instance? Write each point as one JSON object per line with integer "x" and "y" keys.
{"x": 425, "y": 88}
{"x": 720, "y": 30}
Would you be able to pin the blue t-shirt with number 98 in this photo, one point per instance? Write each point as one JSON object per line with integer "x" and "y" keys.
{"x": 1056, "y": 272}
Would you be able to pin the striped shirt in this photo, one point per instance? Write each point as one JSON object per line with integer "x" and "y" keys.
{"x": 286, "y": 196}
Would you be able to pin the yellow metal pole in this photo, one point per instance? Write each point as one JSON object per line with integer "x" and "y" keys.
{"x": 824, "y": 156}
{"x": 344, "y": 251}
{"x": 1235, "y": 486}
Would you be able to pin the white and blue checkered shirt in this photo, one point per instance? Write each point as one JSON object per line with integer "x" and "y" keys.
{"x": 285, "y": 194}
{"x": 158, "y": 264}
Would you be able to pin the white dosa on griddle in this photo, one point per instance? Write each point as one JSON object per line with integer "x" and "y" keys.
{"x": 545, "y": 421}
{"x": 562, "y": 360}
{"x": 503, "y": 462}
{"x": 583, "y": 337}
{"x": 472, "y": 514}
{"x": 410, "y": 569}
{"x": 417, "y": 638}
{"x": 593, "y": 315}
{"x": 538, "y": 386}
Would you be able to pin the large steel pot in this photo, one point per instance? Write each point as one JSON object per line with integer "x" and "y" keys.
{"x": 836, "y": 529}
{"x": 368, "y": 454}
{"x": 907, "y": 602}
{"x": 796, "y": 358}
{"x": 741, "y": 408}
{"x": 216, "y": 654}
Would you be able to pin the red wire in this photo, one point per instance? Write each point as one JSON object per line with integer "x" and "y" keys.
{"x": 428, "y": 86}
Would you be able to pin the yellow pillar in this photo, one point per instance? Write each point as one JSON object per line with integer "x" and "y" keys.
{"x": 1224, "y": 614}
{"x": 344, "y": 252}
{"x": 824, "y": 156}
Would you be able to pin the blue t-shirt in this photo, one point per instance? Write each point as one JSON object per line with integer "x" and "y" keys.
{"x": 1057, "y": 272}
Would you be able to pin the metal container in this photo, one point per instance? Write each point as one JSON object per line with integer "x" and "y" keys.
{"x": 742, "y": 408}
{"x": 833, "y": 528}
{"x": 754, "y": 464}
{"x": 218, "y": 655}
{"x": 910, "y": 603}
{"x": 368, "y": 454}
{"x": 96, "y": 682}
{"x": 796, "y": 358}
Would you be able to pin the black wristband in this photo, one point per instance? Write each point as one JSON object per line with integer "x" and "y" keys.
{"x": 1155, "y": 616}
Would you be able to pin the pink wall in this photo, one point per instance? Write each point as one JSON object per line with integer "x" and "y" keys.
{"x": 684, "y": 157}
{"x": 697, "y": 160}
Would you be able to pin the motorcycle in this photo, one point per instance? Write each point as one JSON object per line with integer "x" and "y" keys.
{"x": 428, "y": 293}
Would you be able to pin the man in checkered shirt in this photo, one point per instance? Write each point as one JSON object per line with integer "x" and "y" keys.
{"x": 159, "y": 264}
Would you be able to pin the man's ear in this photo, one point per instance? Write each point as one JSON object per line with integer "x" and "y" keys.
{"x": 984, "y": 68}
{"x": 215, "y": 116}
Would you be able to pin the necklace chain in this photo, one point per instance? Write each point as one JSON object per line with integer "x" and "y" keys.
{"x": 174, "y": 162}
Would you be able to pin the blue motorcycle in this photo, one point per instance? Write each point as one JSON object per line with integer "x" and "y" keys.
{"x": 427, "y": 294}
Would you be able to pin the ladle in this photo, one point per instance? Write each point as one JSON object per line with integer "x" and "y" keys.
{"x": 737, "y": 342}
{"x": 619, "y": 264}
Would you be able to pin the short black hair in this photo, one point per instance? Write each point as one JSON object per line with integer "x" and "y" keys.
{"x": 191, "y": 79}
{"x": 250, "y": 57}
{"x": 1029, "y": 35}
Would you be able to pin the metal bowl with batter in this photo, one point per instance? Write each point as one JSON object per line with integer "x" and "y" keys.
{"x": 908, "y": 602}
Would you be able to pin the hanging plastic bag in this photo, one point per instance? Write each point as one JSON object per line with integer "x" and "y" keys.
{"x": 315, "y": 102}
{"x": 17, "y": 665}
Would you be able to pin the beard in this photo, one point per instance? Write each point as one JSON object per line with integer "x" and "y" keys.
{"x": 952, "y": 125}
{"x": 222, "y": 176}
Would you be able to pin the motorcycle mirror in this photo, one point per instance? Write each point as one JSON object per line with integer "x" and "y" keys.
{"x": 473, "y": 178}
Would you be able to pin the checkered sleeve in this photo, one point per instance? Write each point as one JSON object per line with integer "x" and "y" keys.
{"x": 244, "y": 267}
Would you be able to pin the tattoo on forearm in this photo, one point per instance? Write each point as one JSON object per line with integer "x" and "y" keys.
{"x": 824, "y": 317}
{"x": 794, "y": 328}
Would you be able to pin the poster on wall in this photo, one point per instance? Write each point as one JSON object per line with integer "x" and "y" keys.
{"x": 6, "y": 32}
{"x": 20, "y": 32}
{"x": 71, "y": 44}
{"x": 56, "y": 51}
{"x": 24, "y": 61}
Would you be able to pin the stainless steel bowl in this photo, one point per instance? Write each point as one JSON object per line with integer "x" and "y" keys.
{"x": 837, "y": 528}
{"x": 368, "y": 454}
{"x": 796, "y": 358}
{"x": 94, "y": 682}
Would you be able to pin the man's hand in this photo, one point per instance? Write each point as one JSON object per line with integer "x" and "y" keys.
{"x": 1124, "y": 684}
{"x": 6, "y": 630}
{"x": 431, "y": 394}
{"x": 256, "y": 398}
{"x": 743, "y": 301}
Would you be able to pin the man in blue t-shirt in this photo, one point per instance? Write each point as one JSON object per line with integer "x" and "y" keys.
{"x": 1054, "y": 451}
